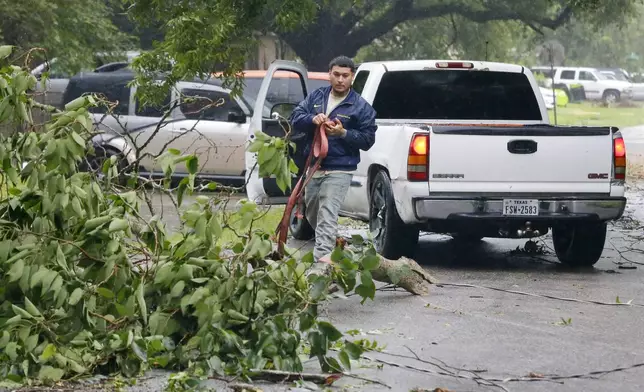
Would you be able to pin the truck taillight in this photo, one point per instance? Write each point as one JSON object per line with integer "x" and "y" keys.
{"x": 418, "y": 158}
{"x": 619, "y": 157}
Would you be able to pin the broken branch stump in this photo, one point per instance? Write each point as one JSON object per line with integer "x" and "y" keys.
{"x": 404, "y": 273}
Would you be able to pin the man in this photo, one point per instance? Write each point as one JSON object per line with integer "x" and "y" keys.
{"x": 351, "y": 127}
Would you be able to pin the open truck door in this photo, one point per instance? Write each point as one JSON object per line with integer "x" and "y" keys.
{"x": 271, "y": 94}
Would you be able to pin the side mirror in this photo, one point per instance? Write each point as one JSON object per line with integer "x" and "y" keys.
{"x": 283, "y": 110}
{"x": 236, "y": 116}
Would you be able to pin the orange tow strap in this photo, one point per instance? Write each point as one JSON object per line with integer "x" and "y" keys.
{"x": 319, "y": 152}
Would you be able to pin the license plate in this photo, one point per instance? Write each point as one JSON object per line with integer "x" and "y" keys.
{"x": 520, "y": 207}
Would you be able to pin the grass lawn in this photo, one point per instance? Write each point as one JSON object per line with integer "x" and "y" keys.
{"x": 593, "y": 114}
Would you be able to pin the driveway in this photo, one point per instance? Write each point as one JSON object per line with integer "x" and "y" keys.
{"x": 634, "y": 139}
{"x": 492, "y": 316}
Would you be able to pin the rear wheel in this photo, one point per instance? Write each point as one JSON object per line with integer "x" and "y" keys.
{"x": 579, "y": 245}
{"x": 611, "y": 96}
{"x": 392, "y": 237}
{"x": 300, "y": 228}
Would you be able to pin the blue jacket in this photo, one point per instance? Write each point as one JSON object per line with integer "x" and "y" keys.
{"x": 357, "y": 117}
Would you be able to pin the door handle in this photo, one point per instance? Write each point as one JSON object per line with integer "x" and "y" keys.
{"x": 181, "y": 130}
{"x": 522, "y": 146}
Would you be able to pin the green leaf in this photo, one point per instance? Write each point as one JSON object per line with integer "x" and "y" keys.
{"x": 192, "y": 164}
{"x": 60, "y": 258}
{"x": 76, "y": 104}
{"x": 78, "y": 139}
{"x": 31, "y": 308}
{"x": 331, "y": 365}
{"x": 353, "y": 350}
{"x": 177, "y": 289}
{"x": 139, "y": 352}
{"x": 76, "y": 296}
{"x": 12, "y": 350}
{"x": 5, "y": 51}
{"x": 49, "y": 351}
{"x": 344, "y": 359}
{"x": 15, "y": 273}
{"x": 370, "y": 262}
{"x": 141, "y": 300}
{"x": 106, "y": 293}
{"x": 50, "y": 373}
{"x": 329, "y": 331}
{"x": 5, "y": 249}
{"x": 118, "y": 224}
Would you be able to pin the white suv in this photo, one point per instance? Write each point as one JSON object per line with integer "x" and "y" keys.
{"x": 597, "y": 86}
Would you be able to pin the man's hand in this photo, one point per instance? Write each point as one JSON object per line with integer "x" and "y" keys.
{"x": 320, "y": 118}
{"x": 335, "y": 128}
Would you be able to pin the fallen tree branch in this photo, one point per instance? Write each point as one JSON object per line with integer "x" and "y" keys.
{"x": 321, "y": 378}
{"x": 404, "y": 273}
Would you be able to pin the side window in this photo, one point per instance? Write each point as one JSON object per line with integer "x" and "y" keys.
{"x": 568, "y": 75}
{"x": 285, "y": 87}
{"x": 118, "y": 93}
{"x": 152, "y": 110}
{"x": 585, "y": 75}
{"x": 209, "y": 105}
{"x": 56, "y": 71}
{"x": 360, "y": 80}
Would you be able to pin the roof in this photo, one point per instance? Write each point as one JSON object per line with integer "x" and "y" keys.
{"x": 416, "y": 65}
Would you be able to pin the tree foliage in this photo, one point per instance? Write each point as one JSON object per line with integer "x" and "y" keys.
{"x": 601, "y": 35}
{"x": 71, "y": 30}
{"x": 91, "y": 285}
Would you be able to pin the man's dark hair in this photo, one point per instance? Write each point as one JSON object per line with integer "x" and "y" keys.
{"x": 344, "y": 62}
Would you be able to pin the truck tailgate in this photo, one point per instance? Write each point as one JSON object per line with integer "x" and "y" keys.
{"x": 520, "y": 160}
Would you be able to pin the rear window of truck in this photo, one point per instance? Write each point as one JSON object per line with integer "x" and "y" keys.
{"x": 456, "y": 95}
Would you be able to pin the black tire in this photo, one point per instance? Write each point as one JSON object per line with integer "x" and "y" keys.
{"x": 611, "y": 96}
{"x": 579, "y": 245}
{"x": 94, "y": 163}
{"x": 392, "y": 237}
{"x": 300, "y": 228}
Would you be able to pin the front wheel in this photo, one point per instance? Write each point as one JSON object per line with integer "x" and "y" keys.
{"x": 392, "y": 237}
{"x": 579, "y": 245}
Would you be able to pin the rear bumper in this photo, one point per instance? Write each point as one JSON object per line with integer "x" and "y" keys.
{"x": 550, "y": 209}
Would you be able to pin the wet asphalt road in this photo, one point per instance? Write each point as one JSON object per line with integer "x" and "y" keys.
{"x": 508, "y": 335}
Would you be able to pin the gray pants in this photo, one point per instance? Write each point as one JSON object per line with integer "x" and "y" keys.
{"x": 324, "y": 196}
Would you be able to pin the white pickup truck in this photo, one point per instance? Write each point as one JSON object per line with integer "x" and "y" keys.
{"x": 465, "y": 148}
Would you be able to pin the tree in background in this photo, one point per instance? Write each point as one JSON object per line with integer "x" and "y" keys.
{"x": 71, "y": 30}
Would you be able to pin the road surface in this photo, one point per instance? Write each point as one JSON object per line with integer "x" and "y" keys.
{"x": 509, "y": 335}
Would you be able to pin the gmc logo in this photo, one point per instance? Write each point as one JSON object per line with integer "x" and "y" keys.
{"x": 597, "y": 176}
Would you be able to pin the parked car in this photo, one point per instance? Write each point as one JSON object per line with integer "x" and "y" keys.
{"x": 466, "y": 148}
{"x": 597, "y": 86}
{"x": 621, "y": 74}
{"x": 52, "y": 92}
{"x": 216, "y": 135}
